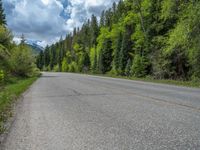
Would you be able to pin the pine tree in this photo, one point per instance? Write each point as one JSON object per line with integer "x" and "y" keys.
{"x": 2, "y": 15}
{"x": 128, "y": 68}
{"x": 40, "y": 60}
{"x": 117, "y": 52}
{"x": 120, "y": 10}
{"x": 47, "y": 56}
{"x": 94, "y": 30}
{"x": 23, "y": 39}
{"x": 114, "y": 10}
{"x": 124, "y": 52}
{"x": 108, "y": 18}
{"x": 102, "y": 19}
{"x": 106, "y": 56}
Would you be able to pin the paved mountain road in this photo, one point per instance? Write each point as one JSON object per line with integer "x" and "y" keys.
{"x": 64, "y": 111}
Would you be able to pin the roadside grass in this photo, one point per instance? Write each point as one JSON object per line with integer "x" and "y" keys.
{"x": 194, "y": 84}
{"x": 9, "y": 93}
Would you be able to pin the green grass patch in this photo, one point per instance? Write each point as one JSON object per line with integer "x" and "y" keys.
{"x": 9, "y": 93}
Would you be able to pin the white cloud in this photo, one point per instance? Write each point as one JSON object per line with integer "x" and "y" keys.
{"x": 42, "y": 43}
{"x": 83, "y": 9}
{"x": 17, "y": 40}
{"x": 47, "y": 20}
{"x": 46, "y": 2}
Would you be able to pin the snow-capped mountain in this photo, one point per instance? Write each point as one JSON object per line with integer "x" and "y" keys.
{"x": 35, "y": 45}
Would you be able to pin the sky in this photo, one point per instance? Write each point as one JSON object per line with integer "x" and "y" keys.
{"x": 44, "y": 21}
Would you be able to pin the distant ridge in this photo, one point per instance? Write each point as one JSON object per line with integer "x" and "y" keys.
{"x": 35, "y": 47}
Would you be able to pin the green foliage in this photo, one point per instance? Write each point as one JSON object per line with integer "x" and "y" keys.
{"x": 138, "y": 68}
{"x": 73, "y": 67}
{"x": 94, "y": 30}
{"x": 2, "y": 76}
{"x": 116, "y": 37}
{"x": 5, "y": 36}
{"x": 65, "y": 66}
{"x": 104, "y": 34}
{"x": 126, "y": 47}
{"x": 117, "y": 49}
{"x": 2, "y": 15}
{"x": 4, "y": 56}
{"x": 40, "y": 60}
{"x": 193, "y": 14}
{"x": 183, "y": 43}
{"x": 5, "y": 44}
{"x": 56, "y": 68}
{"x": 105, "y": 59}
{"x": 104, "y": 50}
{"x": 46, "y": 58}
{"x": 128, "y": 68}
{"x": 93, "y": 58}
{"x": 22, "y": 61}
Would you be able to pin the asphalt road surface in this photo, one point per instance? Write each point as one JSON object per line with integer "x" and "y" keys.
{"x": 64, "y": 111}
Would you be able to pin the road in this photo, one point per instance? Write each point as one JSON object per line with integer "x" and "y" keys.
{"x": 64, "y": 111}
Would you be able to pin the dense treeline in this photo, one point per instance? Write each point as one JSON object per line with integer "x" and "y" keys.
{"x": 15, "y": 60}
{"x": 158, "y": 38}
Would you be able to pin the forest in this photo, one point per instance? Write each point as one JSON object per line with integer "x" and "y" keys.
{"x": 140, "y": 38}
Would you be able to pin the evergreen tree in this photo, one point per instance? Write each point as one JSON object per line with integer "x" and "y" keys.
{"x": 94, "y": 30}
{"x": 47, "y": 56}
{"x": 23, "y": 39}
{"x": 138, "y": 67}
{"x": 40, "y": 60}
{"x": 102, "y": 19}
{"x": 128, "y": 68}
{"x": 108, "y": 18}
{"x": 106, "y": 56}
{"x": 124, "y": 52}
{"x": 2, "y": 15}
{"x": 117, "y": 52}
{"x": 5, "y": 37}
{"x": 120, "y": 10}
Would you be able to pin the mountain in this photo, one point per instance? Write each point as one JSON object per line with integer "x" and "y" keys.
{"x": 36, "y": 48}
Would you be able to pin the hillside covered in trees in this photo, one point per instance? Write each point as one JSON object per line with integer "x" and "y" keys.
{"x": 158, "y": 38}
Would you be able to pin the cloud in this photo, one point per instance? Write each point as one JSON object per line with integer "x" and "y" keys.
{"x": 17, "y": 40}
{"x": 36, "y": 19}
{"x": 47, "y": 20}
{"x": 81, "y": 10}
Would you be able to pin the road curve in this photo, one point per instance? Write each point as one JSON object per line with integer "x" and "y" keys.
{"x": 64, "y": 111}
